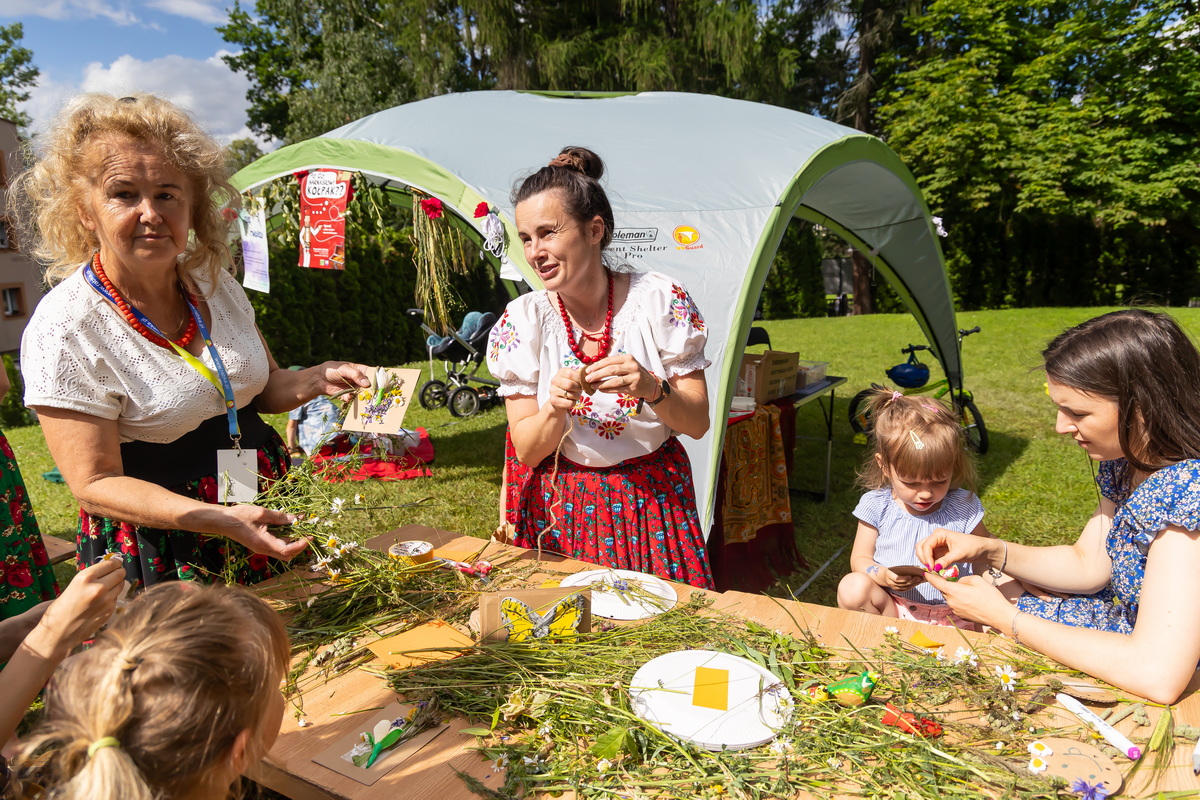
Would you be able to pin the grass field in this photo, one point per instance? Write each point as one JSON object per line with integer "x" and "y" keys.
{"x": 1036, "y": 486}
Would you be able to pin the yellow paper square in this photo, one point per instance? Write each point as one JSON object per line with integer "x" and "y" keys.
{"x": 711, "y": 689}
{"x": 421, "y": 645}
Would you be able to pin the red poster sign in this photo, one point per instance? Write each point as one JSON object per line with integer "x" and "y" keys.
{"x": 323, "y": 196}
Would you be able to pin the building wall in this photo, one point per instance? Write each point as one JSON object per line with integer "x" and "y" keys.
{"x": 20, "y": 279}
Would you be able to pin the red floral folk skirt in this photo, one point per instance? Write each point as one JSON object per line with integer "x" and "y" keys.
{"x": 154, "y": 555}
{"x": 639, "y": 514}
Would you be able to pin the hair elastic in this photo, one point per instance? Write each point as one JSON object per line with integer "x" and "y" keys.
{"x": 99, "y": 744}
{"x": 934, "y": 409}
{"x": 895, "y": 396}
{"x": 916, "y": 440}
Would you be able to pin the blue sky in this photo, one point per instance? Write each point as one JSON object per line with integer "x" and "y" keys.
{"x": 169, "y": 47}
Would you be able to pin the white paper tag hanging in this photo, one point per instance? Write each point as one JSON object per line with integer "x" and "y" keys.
{"x": 237, "y": 476}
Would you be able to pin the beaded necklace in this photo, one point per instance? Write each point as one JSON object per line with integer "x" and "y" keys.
{"x": 132, "y": 319}
{"x": 604, "y": 338}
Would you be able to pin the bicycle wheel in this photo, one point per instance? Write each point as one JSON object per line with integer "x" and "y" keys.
{"x": 972, "y": 422}
{"x": 860, "y": 420}
{"x": 432, "y": 394}
{"x": 463, "y": 402}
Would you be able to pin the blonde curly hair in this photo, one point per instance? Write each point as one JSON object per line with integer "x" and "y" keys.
{"x": 45, "y": 199}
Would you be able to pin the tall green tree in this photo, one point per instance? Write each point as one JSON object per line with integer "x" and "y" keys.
{"x": 17, "y": 73}
{"x": 1057, "y": 138}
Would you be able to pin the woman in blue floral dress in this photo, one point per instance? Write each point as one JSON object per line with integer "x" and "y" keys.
{"x": 1127, "y": 388}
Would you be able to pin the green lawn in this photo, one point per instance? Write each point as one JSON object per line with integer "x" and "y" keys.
{"x": 1036, "y": 486}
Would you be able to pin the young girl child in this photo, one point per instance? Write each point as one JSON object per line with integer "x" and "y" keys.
{"x": 916, "y": 477}
{"x": 175, "y": 699}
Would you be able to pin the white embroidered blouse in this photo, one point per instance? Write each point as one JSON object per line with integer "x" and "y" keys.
{"x": 79, "y": 353}
{"x": 658, "y": 324}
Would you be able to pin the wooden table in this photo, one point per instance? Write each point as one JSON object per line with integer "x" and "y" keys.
{"x": 289, "y": 768}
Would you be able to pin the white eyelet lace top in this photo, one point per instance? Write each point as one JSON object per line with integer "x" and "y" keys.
{"x": 80, "y": 354}
{"x": 658, "y": 324}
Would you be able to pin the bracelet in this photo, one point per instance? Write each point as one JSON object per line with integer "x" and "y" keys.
{"x": 1005, "y": 563}
{"x": 1013, "y": 626}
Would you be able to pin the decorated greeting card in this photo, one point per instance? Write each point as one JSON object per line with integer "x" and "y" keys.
{"x": 380, "y": 408}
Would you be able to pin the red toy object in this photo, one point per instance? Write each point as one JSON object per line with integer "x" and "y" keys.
{"x": 911, "y": 723}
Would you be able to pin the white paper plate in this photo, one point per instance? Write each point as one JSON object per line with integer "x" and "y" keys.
{"x": 608, "y": 603}
{"x": 758, "y": 702}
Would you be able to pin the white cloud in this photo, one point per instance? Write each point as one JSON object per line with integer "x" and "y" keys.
{"x": 211, "y": 12}
{"x": 214, "y": 94}
{"x": 119, "y": 13}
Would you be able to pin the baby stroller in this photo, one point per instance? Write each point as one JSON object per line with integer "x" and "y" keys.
{"x": 462, "y": 355}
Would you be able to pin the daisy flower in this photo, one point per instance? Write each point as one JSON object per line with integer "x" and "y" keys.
{"x": 358, "y": 499}
{"x": 1008, "y": 677}
{"x": 1037, "y": 764}
{"x": 336, "y": 506}
{"x": 891, "y": 630}
{"x": 1040, "y": 748}
{"x": 603, "y": 765}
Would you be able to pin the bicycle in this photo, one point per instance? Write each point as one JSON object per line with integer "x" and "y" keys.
{"x": 913, "y": 376}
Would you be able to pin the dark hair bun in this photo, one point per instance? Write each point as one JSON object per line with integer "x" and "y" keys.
{"x": 581, "y": 160}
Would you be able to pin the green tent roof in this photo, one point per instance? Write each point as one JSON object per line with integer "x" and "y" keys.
{"x": 702, "y": 188}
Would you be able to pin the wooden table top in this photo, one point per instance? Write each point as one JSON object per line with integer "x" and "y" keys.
{"x": 289, "y": 767}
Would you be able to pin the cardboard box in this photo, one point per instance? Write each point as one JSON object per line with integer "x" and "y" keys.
{"x": 810, "y": 372}
{"x": 768, "y": 375}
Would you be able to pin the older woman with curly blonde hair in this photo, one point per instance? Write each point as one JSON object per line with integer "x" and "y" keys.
{"x": 144, "y": 360}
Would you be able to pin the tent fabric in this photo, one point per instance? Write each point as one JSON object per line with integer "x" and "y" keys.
{"x": 702, "y": 188}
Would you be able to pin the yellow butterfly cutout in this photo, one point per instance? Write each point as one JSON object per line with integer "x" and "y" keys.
{"x": 560, "y": 622}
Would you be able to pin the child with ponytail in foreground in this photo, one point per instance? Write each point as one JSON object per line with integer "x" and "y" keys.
{"x": 916, "y": 478}
{"x": 177, "y": 697}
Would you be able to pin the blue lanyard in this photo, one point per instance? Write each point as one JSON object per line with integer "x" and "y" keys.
{"x": 221, "y": 381}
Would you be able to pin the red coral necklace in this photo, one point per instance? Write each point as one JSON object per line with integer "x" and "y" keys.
{"x": 183, "y": 341}
{"x": 604, "y": 338}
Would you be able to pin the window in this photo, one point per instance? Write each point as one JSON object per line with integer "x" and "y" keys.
{"x": 6, "y": 238}
{"x": 14, "y": 301}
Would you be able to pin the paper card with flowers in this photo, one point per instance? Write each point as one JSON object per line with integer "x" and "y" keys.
{"x": 380, "y": 408}
{"x": 382, "y": 741}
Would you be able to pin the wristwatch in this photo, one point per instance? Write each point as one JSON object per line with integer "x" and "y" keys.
{"x": 665, "y": 389}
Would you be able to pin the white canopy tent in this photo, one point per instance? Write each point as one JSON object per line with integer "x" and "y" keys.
{"x": 702, "y": 188}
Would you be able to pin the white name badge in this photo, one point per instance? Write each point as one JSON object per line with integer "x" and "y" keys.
{"x": 237, "y": 476}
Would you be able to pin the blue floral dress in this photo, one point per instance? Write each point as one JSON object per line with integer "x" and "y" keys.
{"x": 1170, "y": 496}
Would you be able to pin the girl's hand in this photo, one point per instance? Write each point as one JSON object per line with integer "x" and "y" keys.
{"x": 85, "y": 605}
{"x": 565, "y": 390}
{"x": 975, "y": 599}
{"x": 897, "y": 583}
{"x": 622, "y": 374}
{"x": 947, "y": 547}
{"x": 250, "y": 525}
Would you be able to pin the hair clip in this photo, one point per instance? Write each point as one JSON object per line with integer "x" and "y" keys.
{"x": 916, "y": 440}
{"x": 895, "y": 396}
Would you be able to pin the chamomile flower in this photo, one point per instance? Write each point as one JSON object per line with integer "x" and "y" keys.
{"x": 1040, "y": 748}
{"x": 1008, "y": 677}
{"x": 303, "y": 723}
{"x": 781, "y": 745}
{"x": 603, "y": 765}
{"x": 336, "y": 506}
{"x": 834, "y": 763}
{"x": 1000, "y": 745}
{"x": 500, "y": 763}
{"x": 358, "y": 499}
{"x": 334, "y": 574}
{"x": 965, "y": 655}
{"x": 1037, "y": 764}
{"x": 892, "y": 630}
